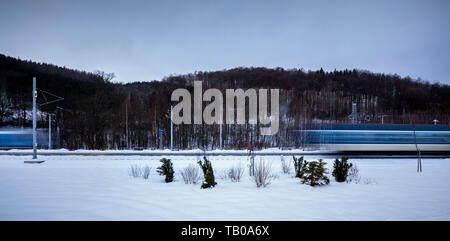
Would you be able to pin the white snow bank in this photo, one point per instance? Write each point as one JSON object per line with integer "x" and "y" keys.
{"x": 99, "y": 188}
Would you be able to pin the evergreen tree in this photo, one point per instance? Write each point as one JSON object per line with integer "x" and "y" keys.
{"x": 341, "y": 168}
{"x": 314, "y": 174}
{"x": 299, "y": 165}
{"x": 205, "y": 165}
{"x": 208, "y": 173}
{"x": 166, "y": 169}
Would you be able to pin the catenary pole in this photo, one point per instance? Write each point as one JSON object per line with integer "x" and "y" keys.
{"x": 220, "y": 131}
{"x": 50, "y": 131}
{"x": 171, "y": 128}
{"x": 126, "y": 121}
{"x": 34, "y": 119}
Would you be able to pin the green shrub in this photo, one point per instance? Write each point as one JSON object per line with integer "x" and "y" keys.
{"x": 208, "y": 173}
{"x": 299, "y": 166}
{"x": 166, "y": 169}
{"x": 341, "y": 168}
{"x": 314, "y": 174}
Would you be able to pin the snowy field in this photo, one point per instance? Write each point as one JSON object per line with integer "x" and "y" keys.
{"x": 100, "y": 188}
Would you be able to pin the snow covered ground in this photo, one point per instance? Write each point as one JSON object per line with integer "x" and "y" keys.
{"x": 100, "y": 188}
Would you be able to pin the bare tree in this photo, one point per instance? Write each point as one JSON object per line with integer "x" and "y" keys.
{"x": 105, "y": 76}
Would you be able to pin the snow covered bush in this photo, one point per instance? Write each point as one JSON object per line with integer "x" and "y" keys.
{"x": 146, "y": 172}
{"x": 235, "y": 173}
{"x": 263, "y": 173}
{"x": 285, "y": 166}
{"x": 299, "y": 166}
{"x": 353, "y": 175}
{"x": 135, "y": 171}
{"x": 314, "y": 174}
{"x": 208, "y": 173}
{"x": 341, "y": 168}
{"x": 190, "y": 174}
{"x": 166, "y": 169}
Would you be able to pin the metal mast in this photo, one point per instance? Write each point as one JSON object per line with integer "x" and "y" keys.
{"x": 126, "y": 124}
{"x": 34, "y": 119}
{"x": 50, "y": 131}
{"x": 171, "y": 128}
{"x": 220, "y": 131}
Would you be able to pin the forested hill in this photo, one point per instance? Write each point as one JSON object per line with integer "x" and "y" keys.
{"x": 94, "y": 112}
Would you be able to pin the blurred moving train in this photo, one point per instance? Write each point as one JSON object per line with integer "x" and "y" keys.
{"x": 335, "y": 137}
{"x": 386, "y": 138}
{"x": 22, "y": 138}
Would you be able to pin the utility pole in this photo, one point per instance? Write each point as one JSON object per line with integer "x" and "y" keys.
{"x": 171, "y": 129}
{"x": 50, "y": 131}
{"x": 161, "y": 131}
{"x": 419, "y": 156}
{"x": 50, "y": 126}
{"x": 126, "y": 124}
{"x": 126, "y": 121}
{"x": 220, "y": 131}
{"x": 34, "y": 119}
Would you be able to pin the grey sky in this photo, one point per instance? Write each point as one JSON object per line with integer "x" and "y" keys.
{"x": 147, "y": 40}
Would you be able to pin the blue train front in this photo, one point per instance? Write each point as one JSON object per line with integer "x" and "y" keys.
{"x": 426, "y": 138}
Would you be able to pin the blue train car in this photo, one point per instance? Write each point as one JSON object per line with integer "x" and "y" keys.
{"x": 22, "y": 138}
{"x": 435, "y": 138}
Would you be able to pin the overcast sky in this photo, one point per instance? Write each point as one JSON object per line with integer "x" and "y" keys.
{"x": 147, "y": 40}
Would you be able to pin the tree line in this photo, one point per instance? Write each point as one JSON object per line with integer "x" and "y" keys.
{"x": 100, "y": 114}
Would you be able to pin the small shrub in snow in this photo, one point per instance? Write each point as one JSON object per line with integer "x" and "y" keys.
{"x": 208, "y": 173}
{"x": 190, "y": 174}
{"x": 285, "y": 166}
{"x": 263, "y": 173}
{"x": 146, "y": 172}
{"x": 299, "y": 166}
{"x": 235, "y": 173}
{"x": 341, "y": 168}
{"x": 166, "y": 169}
{"x": 314, "y": 174}
{"x": 353, "y": 175}
{"x": 135, "y": 171}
